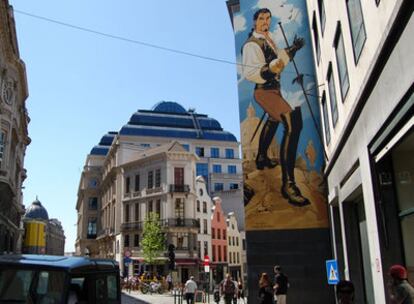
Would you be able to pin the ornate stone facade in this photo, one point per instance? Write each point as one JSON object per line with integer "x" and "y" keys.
{"x": 13, "y": 132}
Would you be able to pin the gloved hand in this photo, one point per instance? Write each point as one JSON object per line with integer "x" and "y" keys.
{"x": 297, "y": 44}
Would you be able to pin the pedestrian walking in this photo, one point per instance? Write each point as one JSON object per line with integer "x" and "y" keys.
{"x": 265, "y": 290}
{"x": 228, "y": 289}
{"x": 281, "y": 285}
{"x": 169, "y": 281}
{"x": 240, "y": 292}
{"x": 345, "y": 292}
{"x": 190, "y": 288}
{"x": 400, "y": 290}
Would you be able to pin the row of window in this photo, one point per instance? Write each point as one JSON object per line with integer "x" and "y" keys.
{"x": 221, "y": 254}
{"x": 234, "y": 260}
{"x": 204, "y": 206}
{"x": 234, "y": 241}
{"x": 127, "y": 242}
{"x": 214, "y": 152}
{"x": 231, "y": 169}
{"x": 150, "y": 181}
{"x": 220, "y": 186}
{"x": 219, "y": 234}
{"x": 203, "y": 226}
{"x": 151, "y": 206}
{"x": 358, "y": 37}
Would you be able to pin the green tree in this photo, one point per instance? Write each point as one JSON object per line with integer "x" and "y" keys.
{"x": 153, "y": 240}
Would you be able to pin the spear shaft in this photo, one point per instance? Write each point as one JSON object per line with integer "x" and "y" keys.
{"x": 304, "y": 93}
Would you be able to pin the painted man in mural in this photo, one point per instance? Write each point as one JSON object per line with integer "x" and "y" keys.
{"x": 263, "y": 63}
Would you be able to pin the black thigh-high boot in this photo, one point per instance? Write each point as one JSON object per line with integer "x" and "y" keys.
{"x": 292, "y": 123}
{"x": 266, "y": 136}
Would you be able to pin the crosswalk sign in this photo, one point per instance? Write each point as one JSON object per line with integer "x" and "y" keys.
{"x": 332, "y": 272}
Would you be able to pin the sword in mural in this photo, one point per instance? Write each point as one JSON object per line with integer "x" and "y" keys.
{"x": 299, "y": 80}
{"x": 258, "y": 126}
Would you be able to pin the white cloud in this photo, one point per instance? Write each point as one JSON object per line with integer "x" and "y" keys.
{"x": 239, "y": 67}
{"x": 285, "y": 13}
{"x": 294, "y": 99}
{"x": 239, "y": 23}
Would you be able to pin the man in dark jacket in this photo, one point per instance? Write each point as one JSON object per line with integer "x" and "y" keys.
{"x": 281, "y": 285}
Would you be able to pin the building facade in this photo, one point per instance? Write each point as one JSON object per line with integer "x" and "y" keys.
{"x": 204, "y": 204}
{"x": 160, "y": 180}
{"x": 365, "y": 77}
{"x": 219, "y": 249}
{"x": 286, "y": 214}
{"x": 41, "y": 234}
{"x": 235, "y": 249}
{"x": 55, "y": 238}
{"x": 13, "y": 133}
{"x": 101, "y": 196}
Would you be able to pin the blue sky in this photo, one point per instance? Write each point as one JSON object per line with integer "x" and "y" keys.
{"x": 82, "y": 85}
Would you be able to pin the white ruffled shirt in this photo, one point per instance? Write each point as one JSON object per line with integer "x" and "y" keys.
{"x": 254, "y": 60}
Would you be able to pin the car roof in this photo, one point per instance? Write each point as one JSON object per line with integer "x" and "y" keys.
{"x": 67, "y": 263}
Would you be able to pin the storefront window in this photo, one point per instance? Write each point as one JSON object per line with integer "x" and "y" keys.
{"x": 403, "y": 164}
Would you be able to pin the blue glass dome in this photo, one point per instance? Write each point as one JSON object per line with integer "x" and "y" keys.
{"x": 169, "y": 107}
{"x": 36, "y": 211}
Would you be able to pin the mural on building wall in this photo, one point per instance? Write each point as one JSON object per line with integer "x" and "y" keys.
{"x": 283, "y": 154}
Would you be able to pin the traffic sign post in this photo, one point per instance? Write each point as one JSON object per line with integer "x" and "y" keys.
{"x": 332, "y": 272}
{"x": 207, "y": 270}
{"x": 206, "y": 263}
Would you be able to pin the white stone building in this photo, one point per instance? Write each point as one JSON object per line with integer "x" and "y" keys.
{"x": 235, "y": 248}
{"x": 204, "y": 204}
{"x": 13, "y": 133}
{"x": 364, "y": 67}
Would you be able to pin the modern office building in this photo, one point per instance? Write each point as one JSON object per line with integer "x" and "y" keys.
{"x": 121, "y": 162}
{"x": 13, "y": 132}
{"x": 364, "y": 67}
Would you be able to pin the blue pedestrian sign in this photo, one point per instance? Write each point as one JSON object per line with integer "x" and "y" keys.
{"x": 332, "y": 272}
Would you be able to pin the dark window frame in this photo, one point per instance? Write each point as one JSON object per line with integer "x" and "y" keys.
{"x": 315, "y": 34}
{"x": 322, "y": 15}
{"x": 326, "y": 124}
{"x": 339, "y": 46}
{"x": 332, "y": 95}
{"x": 362, "y": 28}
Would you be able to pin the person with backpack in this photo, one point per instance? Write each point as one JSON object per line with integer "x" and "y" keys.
{"x": 228, "y": 289}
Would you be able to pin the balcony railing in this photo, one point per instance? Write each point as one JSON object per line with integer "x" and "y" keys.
{"x": 180, "y": 222}
{"x": 136, "y": 194}
{"x": 154, "y": 190}
{"x": 132, "y": 226}
{"x": 179, "y": 188}
{"x": 105, "y": 232}
{"x": 171, "y": 222}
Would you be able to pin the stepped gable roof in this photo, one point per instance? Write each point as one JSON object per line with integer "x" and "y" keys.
{"x": 36, "y": 211}
{"x": 105, "y": 143}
